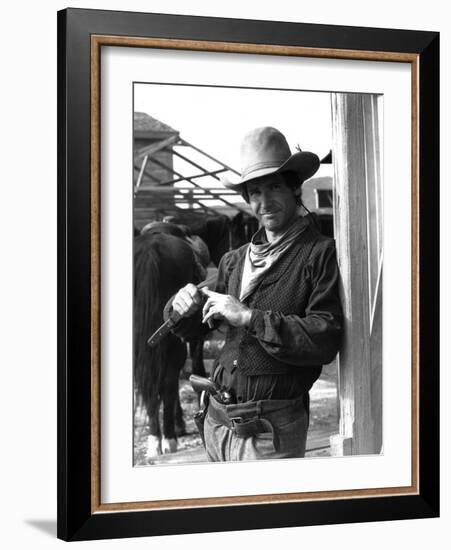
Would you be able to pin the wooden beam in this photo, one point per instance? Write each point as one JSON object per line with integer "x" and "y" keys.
{"x": 188, "y": 178}
{"x": 141, "y": 173}
{"x": 198, "y": 166}
{"x": 360, "y": 359}
{"x": 197, "y": 176}
{"x": 148, "y": 174}
{"x": 187, "y": 144}
{"x": 155, "y": 147}
{"x": 162, "y": 190}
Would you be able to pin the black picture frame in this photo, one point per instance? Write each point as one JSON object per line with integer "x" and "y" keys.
{"x": 76, "y": 518}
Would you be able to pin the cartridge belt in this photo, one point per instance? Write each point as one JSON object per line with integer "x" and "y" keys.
{"x": 253, "y": 417}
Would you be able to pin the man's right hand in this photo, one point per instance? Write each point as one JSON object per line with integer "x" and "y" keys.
{"x": 188, "y": 300}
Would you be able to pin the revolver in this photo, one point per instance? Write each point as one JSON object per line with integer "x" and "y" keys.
{"x": 201, "y": 384}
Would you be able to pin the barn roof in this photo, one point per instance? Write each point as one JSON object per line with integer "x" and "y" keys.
{"x": 145, "y": 123}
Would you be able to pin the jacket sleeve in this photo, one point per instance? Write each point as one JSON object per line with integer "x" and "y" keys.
{"x": 192, "y": 328}
{"x": 313, "y": 338}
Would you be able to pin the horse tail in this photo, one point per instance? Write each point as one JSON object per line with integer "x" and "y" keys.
{"x": 162, "y": 264}
{"x": 147, "y": 318}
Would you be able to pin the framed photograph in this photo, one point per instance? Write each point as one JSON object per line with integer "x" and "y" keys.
{"x": 248, "y": 274}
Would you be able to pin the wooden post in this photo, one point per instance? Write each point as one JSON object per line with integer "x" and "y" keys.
{"x": 357, "y": 221}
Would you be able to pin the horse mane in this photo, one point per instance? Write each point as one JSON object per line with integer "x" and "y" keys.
{"x": 167, "y": 228}
{"x": 214, "y": 230}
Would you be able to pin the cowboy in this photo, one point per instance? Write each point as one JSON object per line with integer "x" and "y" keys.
{"x": 278, "y": 297}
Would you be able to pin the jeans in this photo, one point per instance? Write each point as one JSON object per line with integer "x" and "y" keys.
{"x": 285, "y": 435}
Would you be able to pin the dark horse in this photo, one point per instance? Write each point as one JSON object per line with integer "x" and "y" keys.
{"x": 163, "y": 263}
{"x": 218, "y": 231}
{"x": 200, "y": 249}
{"x": 221, "y": 234}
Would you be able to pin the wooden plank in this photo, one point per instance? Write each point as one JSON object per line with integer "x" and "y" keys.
{"x": 373, "y": 188}
{"x": 376, "y": 364}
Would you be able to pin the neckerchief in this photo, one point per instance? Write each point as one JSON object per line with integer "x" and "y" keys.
{"x": 261, "y": 255}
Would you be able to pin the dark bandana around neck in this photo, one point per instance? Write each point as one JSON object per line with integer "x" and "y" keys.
{"x": 261, "y": 255}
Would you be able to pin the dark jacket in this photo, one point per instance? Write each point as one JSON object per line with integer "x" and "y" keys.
{"x": 296, "y": 322}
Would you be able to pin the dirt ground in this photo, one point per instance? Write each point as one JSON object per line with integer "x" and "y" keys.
{"x": 323, "y": 422}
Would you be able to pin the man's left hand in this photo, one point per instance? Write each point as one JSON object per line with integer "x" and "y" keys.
{"x": 224, "y": 306}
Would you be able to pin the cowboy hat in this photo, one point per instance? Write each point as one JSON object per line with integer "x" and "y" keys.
{"x": 265, "y": 151}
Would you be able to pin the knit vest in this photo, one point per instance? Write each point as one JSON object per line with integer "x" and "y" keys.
{"x": 286, "y": 288}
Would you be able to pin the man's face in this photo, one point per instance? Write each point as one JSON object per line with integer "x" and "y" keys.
{"x": 273, "y": 202}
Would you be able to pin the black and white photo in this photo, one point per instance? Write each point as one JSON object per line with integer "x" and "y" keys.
{"x": 258, "y": 245}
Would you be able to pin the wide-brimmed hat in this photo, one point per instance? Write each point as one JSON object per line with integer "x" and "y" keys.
{"x": 265, "y": 151}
